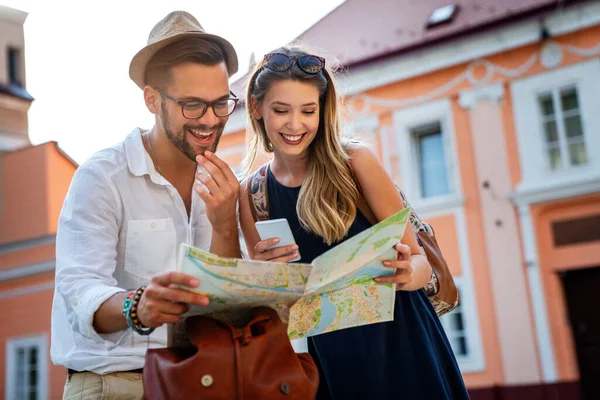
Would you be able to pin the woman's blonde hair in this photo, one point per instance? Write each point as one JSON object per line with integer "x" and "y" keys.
{"x": 328, "y": 197}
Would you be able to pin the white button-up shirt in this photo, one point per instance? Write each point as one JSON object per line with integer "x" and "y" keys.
{"x": 121, "y": 224}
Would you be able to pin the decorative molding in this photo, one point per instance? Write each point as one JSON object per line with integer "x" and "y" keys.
{"x": 550, "y": 56}
{"x": 25, "y": 290}
{"x": 27, "y": 270}
{"x": 547, "y": 191}
{"x": 473, "y": 49}
{"x": 468, "y": 98}
{"x": 25, "y": 244}
{"x": 10, "y": 141}
{"x": 466, "y": 49}
{"x": 14, "y": 103}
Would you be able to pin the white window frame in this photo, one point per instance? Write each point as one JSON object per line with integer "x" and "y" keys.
{"x": 559, "y": 120}
{"x": 538, "y": 176}
{"x": 12, "y": 345}
{"x": 473, "y": 360}
{"x": 406, "y": 121}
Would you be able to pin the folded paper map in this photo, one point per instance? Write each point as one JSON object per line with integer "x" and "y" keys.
{"x": 336, "y": 291}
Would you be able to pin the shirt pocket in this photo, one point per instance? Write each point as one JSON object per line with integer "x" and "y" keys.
{"x": 150, "y": 247}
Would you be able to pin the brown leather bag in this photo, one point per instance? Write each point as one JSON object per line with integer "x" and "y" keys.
{"x": 256, "y": 361}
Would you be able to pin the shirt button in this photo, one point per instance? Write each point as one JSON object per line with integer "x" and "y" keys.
{"x": 285, "y": 388}
{"x": 73, "y": 301}
{"x": 207, "y": 380}
{"x": 152, "y": 225}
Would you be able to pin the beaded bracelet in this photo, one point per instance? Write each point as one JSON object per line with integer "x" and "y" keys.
{"x": 130, "y": 312}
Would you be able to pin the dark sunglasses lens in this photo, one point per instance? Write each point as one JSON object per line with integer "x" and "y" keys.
{"x": 310, "y": 64}
{"x": 278, "y": 62}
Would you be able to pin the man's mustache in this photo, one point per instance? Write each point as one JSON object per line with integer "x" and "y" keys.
{"x": 204, "y": 127}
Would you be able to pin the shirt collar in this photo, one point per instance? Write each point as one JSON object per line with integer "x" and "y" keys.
{"x": 138, "y": 159}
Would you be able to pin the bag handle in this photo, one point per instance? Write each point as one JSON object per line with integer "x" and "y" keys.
{"x": 258, "y": 196}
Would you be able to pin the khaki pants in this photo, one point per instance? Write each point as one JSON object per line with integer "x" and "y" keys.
{"x": 118, "y": 386}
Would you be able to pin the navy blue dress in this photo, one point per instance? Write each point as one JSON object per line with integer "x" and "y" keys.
{"x": 409, "y": 358}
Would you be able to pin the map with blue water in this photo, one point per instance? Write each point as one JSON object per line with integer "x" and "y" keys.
{"x": 335, "y": 292}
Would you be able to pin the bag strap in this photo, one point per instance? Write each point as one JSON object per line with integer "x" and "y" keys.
{"x": 258, "y": 197}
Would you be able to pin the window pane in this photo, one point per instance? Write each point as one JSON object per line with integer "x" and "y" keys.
{"x": 573, "y": 126}
{"x": 546, "y": 105}
{"x": 577, "y": 153}
{"x": 434, "y": 179}
{"x": 20, "y": 371}
{"x": 457, "y": 321}
{"x": 459, "y": 345}
{"x": 569, "y": 100}
{"x": 554, "y": 158}
{"x": 14, "y": 66}
{"x": 551, "y": 131}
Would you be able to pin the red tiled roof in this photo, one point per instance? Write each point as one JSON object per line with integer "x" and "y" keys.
{"x": 361, "y": 30}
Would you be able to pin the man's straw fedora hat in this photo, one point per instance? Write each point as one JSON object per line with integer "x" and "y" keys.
{"x": 172, "y": 28}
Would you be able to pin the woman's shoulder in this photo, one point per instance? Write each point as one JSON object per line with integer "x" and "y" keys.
{"x": 360, "y": 153}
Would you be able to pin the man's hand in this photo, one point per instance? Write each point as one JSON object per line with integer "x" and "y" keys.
{"x": 163, "y": 302}
{"x": 221, "y": 192}
{"x": 278, "y": 254}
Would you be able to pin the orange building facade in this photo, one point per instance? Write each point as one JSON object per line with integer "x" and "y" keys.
{"x": 494, "y": 134}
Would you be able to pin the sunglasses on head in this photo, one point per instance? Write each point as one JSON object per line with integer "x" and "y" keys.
{"x": 279, "y": 62}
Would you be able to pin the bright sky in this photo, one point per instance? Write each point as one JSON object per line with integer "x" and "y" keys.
{"x": 77, "y": 56}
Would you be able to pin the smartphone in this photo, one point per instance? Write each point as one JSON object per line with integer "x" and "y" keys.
{"x": 276, "y": 228}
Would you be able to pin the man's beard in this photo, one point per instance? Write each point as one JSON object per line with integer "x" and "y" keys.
{"x": 179, "y": 138}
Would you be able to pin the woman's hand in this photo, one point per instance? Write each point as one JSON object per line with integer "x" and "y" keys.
{"x": 277, "y": 254}
{"x": 404, "y": 269}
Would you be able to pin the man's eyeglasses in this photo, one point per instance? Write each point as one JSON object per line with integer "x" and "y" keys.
{"x": 194, "y": 109}
{"x": 279, "y": 62}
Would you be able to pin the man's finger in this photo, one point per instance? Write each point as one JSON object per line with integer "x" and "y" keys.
{"x": 223, "y": 167}
{"x": 176, "y": 295}
{"x": 170, "y": 307}
{"x": 213, "y": 171}
{"x": 178, "y": 278}
{"x": 166, "y": 319}
{"x": 204, "y": 194}
{"x": 209, "y": 182}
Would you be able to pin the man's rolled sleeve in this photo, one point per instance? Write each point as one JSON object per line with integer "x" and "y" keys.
{"x": 86, "y": 249}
